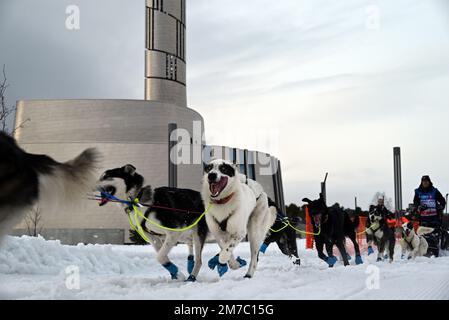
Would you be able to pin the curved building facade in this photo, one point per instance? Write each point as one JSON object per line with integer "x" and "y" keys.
{"x": 124, "y": 131}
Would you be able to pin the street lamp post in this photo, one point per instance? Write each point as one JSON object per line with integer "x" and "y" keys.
{"x": 447, "y": 194}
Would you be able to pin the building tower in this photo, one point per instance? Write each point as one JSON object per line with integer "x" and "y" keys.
{"x": 165, "y": 66}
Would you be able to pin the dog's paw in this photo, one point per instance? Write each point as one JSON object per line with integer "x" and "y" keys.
{"x": 349, "y": 257}
{"x": 213, "y": 262}
{"x": 370, "y": 250}
{"x": 379, "y": 259}
{"x": 191, "y": 278}
{"x": 358, "y": 260}
{"x": 263, "y": 247}
{"x": 331, "y": 261}
{"x": 297, "y": 262}
{"x": 222, "y": 268}
{"x": 190, "y": 264}
{"x": 247, "y": 276}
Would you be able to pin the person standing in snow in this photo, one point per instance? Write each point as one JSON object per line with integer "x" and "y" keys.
{"x": 430, "y": 204}
{"x": 383, "y": 210}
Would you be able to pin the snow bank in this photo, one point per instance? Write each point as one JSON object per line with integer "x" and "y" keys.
{"x": 30, "y": 255}
{"x": 33, "y": 268}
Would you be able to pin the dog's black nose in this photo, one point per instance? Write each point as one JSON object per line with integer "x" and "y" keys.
{"x": 212, "y": 177}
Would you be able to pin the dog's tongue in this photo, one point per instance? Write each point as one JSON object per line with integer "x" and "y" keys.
{"x": 214, "y": 188}
{"x": 217, "y": 187}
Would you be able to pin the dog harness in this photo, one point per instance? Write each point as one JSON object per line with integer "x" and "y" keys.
{"x": 409, "y": 243}
{"x": 223, "y": 200}
{"x": 224, "y": 224}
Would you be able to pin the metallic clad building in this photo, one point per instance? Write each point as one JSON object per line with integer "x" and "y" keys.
{"x": 131, "y": 131}
{"x": 165, "y": 65}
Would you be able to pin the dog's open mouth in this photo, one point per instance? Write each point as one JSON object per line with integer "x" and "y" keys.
{"x": 217, "y": 187}
{"x": 105, "y": 193}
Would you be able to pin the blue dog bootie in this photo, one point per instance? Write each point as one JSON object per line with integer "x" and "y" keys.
{"x": 348, "y": 256}
{"x": 358, "y": 260}
{"x": 213, "y": 262}
{"x": 370, "y": 250}
{"x": 172, "y": 268}
{"x": 331, "y": 261}
{"x": 190, "y": 264}
{"x": 263, "y": 247}
{"x": 222, "y": 268}
{"x": 241, "y": 261}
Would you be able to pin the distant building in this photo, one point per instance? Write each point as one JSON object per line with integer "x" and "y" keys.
{"x": 134, "y": 131}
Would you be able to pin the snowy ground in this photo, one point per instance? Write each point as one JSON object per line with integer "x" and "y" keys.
{"x": 33, "y": 268}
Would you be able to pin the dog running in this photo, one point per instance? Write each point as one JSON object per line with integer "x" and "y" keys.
{"x": 29, "y": 179}
{"x": 413, "y": 243}
{"x": 173, "y": 208}
{"x": 240, "y": 208}
{"x": 330, "y": 227}
{"x": 380, "y": 233}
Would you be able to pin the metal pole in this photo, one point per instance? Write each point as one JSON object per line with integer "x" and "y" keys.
{"x": 172, "y": 167}
{"x": 355, "y": 203}
{"x": 397, "y": 178}
{"x": 447, "y": 195}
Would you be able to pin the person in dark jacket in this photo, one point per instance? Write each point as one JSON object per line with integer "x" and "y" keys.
{"x": 430, "y": 205}
{"x": 387, "y": 214}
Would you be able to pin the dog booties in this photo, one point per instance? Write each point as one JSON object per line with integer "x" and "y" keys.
{"x": 222, "y": 268}
{"x": 172, "y": 268}
{"x": 213, "y": 262}
{"x": 190, "y": 264}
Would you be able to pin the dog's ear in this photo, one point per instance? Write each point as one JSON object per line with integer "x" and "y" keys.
{"x": 146, "y": 195}
{"x": 130, "y": 169}
{"x": 306, "y": 200}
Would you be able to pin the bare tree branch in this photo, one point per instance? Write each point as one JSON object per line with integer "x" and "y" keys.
{"x": 33, "y": 222}
{"x": 5, "y": 110}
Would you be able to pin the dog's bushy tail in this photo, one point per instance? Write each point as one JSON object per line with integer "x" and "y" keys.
{"x": 424, "y": 230}
{"x": 68, "y": 183}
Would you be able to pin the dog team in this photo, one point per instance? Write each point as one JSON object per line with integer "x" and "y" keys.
{"x": 230, "y": 208}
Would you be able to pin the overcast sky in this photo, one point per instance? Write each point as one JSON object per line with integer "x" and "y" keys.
{"x": 321, "y": 84}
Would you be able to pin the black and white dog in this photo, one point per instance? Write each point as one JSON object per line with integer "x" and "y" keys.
{"x": 378, "y": 232}
{"x": 29, "y": 179}
{"x": 239, "y": 208}
{"x": 125, "y": 183}
{"x": 333, "y": 225}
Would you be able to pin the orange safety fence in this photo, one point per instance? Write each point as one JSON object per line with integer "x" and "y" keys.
{"x": 309, "y": 230}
